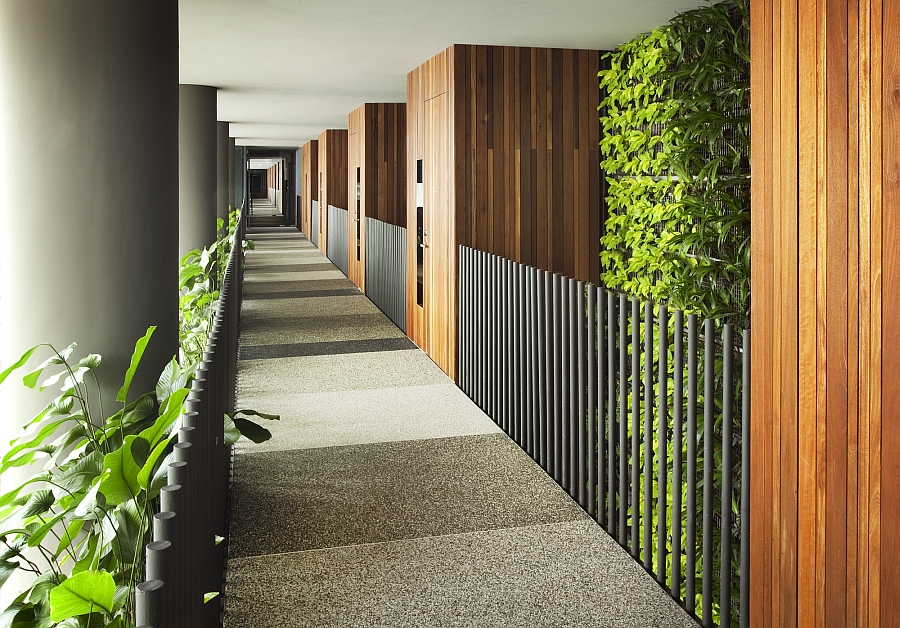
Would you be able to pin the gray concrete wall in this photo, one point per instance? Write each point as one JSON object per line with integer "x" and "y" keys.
{"x": 222, "y": 178}
{"x": 88, "y": 187}
{"x": 197, "y": 167}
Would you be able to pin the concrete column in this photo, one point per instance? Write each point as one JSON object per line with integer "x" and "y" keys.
{"x": 88, "y": 187}
{"x": 222, "y": 162}
{"x": 231, "y": 177}
{"x": 197, "y": 171}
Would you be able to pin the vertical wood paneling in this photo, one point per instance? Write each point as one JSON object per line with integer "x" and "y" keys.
{"x": 377, "y": 146}
{"x": 519, "y": 134}
{"x": 333, "y": 145}
{"x": 310, "y": 178}
{"x": 890, "y": 472}
{"x": 822, "y": 389}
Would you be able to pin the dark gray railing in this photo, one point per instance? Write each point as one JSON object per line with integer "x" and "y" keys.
{"x": 186, "y": 559}
{"x": 386, "y": 269}
{"x": 580, "y": 377}
{"x": 337, "y": 237}
{"x": 314, "y": 222}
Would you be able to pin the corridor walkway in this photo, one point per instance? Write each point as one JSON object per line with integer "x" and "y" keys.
{"x": 385, "y": 497}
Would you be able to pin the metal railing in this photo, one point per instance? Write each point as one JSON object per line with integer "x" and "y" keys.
{"x": 186, "y": 560}
{"x": 640, "y": 414}
{"x": 386, "y": 269}
{"x": 337, "y": 237}
{"x": 314, "y": 222}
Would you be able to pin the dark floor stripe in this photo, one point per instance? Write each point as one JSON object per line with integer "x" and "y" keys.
{"x": 293, "y": 268}
{"x": 303, "y": 294}
{"x": 336, "y": 347}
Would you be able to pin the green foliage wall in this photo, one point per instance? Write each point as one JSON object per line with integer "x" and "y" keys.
{"x": 676, "y": 147}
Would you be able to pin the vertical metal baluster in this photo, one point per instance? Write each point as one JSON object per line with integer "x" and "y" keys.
{"x": 557, "y": 378}
{"x": 677, "y": 427}
{"x": 502, "y": 347}
{"x": 602, "y": 342}
{"x": 662, "y": 461}
{"x": 690, "y": 571}
{"x": 708, "y": 462}
{"x": 745, "y": 483}
{"x": 463, "y": 335}
{"x": 727, "y": 469}
{"x": 519, "y": 359}
{"x": 590, "y": 447}
{"x": 565, "y": 423}
{"x": 530, "y": 360}
{"x": 611, "y": 414}
{"x": 623, "y": 421}
{"x": 635, "y": 426}
{"x": 544, "y": 390}
{"x": 647, "y": 518}
{"x": 576, "y": 400}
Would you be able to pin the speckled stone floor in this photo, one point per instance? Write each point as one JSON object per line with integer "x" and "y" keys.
{"x": 385, "y": 496}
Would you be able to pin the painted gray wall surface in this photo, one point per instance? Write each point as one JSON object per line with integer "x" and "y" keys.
{"x": 229, "y": 165}
{"x": 222, "y": 163}
{"x": 240, "y": 175}
{"x": 88, "y": 187}
{"x": 197, "y": 171}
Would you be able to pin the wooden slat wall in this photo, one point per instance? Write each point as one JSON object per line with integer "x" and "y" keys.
{"x": 527, "y": 156}
{"x": 310, "y": 174}
{"x": 377, "y": 133}
{"x": 333, "y": 145}
{"x": 825, "y": 504}
{"x": 523, "y": 170}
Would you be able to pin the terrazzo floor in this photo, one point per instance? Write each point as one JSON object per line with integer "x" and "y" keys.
{"x": 385, "y": 496}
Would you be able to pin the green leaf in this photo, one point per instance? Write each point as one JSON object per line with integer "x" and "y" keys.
{"x": 140, "y": 449}
{"x": 83, "y": 593}
{"x": 19, "y": 363}
{"x": 139, "y": 348}
{"x": 232, "y": 433}
{"x": 172, "y": 378}
{"x": 38, "y": 503}
{"x": 170, "y": 413}
{"x": 210, "y": 596}
{"x": 120, "y": 483}
{"x": 251, "y": 430}
{"x": 148, "y": 468}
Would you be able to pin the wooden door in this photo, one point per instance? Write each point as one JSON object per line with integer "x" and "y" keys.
{"x": 437, "y": 231}
{"x": 356, "y": 212}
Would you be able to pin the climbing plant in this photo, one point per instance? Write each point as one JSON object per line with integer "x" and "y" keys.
{"x": 676, "y": 148}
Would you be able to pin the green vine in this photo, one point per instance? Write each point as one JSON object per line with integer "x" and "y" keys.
{"x": 676, "y": 146}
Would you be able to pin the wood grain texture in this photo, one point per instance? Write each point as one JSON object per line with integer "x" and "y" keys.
{"x": 310, "y": 179}
{"x": 377, "y": 147}
{"x": 511, "y": 190}
{"x": 333, "y": 146}
{"x": 822, "y": 374}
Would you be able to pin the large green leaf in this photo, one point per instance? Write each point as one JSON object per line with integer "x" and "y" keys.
{"x": 172, "y": 378}
{"x": 31, "y": 379}
{"x": 38, "y": 503}
{"x": 139, "y": 348}
{"x": 171, "y": 412}
{"x": 147, "y": 470}
{"x": 249, "y": 429}
{"x": 120, "y": 484}
{"x": 19, "y": 363}
{"x": 83, "y": 593}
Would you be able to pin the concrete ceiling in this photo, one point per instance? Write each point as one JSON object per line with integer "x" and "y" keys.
{"x": 288, "y": 69}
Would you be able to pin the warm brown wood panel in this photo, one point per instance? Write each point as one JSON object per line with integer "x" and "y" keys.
{"x": 523, "y": 165}
{"x": 333, "y": 145}
{"x": 310, "y": 179}
{"x": 824, "y": 514}
{"x": 377, "y": 149}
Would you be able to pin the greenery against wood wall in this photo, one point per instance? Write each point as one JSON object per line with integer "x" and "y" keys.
{"x": 676, "y": 122}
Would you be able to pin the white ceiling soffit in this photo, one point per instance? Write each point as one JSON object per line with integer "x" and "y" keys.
{"x": 289, "y": 69}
